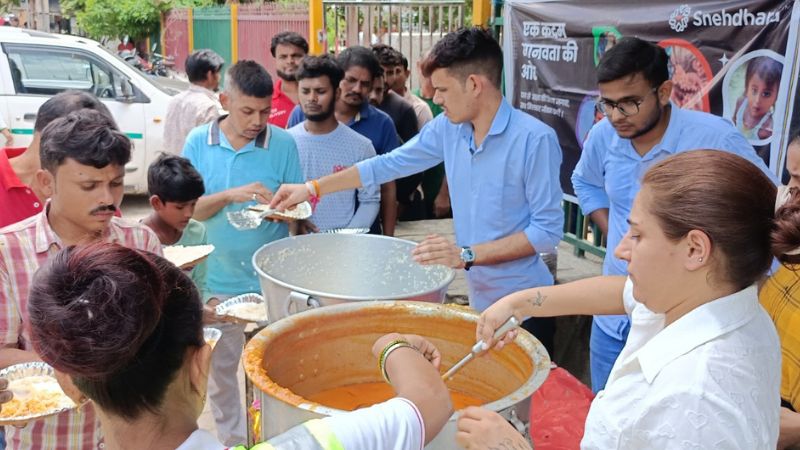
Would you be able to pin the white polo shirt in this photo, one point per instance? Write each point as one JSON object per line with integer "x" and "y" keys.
{"x": 709, "y": 380}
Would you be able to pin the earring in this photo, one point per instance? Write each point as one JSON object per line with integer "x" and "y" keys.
{"x": 700, "y": 259}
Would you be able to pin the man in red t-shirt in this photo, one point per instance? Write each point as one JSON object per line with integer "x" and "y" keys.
{"x": 288, "y": 48}
{"x": 20, "y": 193}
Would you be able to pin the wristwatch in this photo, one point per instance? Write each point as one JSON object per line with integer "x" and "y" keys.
{"x": 468, "y": 256}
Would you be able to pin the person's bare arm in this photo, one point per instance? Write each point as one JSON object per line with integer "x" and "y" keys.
{"x": 10, "y": 356}
{"x": 789, "y": 435}
{"x": 209, "y": 205}
{"x": 436, "y": 249}
{"x": 9, "y": 137}
{"x": 600, "y": 218}
{"x": 481, "y": 429}
{"x": 290, "y": 195}
{"x": 389, "y": 207}
{"x": 591, "y": 296}
{"x": 441, "y": 204}
{"x": 414, "y": 376}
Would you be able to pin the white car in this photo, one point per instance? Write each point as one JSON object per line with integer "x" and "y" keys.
{"x": 35, "y": 66}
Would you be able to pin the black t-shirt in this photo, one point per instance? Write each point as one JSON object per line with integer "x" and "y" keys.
{"x": 402, "y": 114}
{"x": 405, "y": 122}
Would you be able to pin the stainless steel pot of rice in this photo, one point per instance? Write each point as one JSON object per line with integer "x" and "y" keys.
{"x": 302, "y": 272}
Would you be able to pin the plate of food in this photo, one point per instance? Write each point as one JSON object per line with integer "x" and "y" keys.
{"x": 187, "y": 256}
{"x": 300, "y": 212}
{"x": 211, "y": 336}
{"x": 249, "y": 308}
{"x": 37, "y": 393}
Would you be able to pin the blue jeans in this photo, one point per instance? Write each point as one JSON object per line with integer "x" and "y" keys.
{"x": 603, "y": 352}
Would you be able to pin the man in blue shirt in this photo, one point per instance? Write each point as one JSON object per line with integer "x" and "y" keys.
{"x": 641, "y": 127}
{"x": 242, "y": 161}
{"x": 353, "y": 109}
{"x": 502, "y": 166}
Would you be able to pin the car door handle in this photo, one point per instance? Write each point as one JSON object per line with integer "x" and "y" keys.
{"x": 29, "y": 117}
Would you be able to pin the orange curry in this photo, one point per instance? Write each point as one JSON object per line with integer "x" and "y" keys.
{"x": 354, "y": 396}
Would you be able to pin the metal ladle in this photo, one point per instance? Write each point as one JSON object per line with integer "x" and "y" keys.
{"x": 509, "y": 325}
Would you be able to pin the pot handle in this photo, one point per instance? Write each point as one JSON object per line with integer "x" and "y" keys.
{"x": 518, "y": 424}
{"x": 301, "y": 302}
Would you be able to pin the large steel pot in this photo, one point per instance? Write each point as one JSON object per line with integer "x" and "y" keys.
{"x": 302, "y": 272}
{"x": 330, "y": 347}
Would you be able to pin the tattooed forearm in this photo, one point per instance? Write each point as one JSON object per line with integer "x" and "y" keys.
{"x": 510, "y": 444}
{"x": 538, "y": 300}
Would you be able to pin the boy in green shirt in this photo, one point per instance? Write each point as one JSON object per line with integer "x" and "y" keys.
{"x": 174, "y": 186}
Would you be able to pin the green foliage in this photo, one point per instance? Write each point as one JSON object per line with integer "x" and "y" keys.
{"x": 117, "y": 18}
{"x": 6, "y": 5}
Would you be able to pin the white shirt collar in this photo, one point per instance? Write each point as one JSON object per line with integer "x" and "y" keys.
{"x": 701, "y": 325}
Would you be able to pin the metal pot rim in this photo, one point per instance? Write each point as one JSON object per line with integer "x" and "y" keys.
{"x": 529, "y": 343}
{"x": 449, "y": 279}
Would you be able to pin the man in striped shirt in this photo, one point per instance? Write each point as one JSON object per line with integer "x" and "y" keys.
{"x": 83, "y": 159}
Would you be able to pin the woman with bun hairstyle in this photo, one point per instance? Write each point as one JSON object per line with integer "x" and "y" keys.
{"x": 126, "y": 327}
{"x": 701, "y": 367}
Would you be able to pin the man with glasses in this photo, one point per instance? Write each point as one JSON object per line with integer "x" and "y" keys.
{"x": 641, "y": 127}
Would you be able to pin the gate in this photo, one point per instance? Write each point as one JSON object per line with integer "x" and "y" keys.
{"x": 410, "y": 27}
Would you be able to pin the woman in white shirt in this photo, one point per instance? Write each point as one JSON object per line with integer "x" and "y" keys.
{"x": 701, "y": 368}
{"x": 125, "y": 327}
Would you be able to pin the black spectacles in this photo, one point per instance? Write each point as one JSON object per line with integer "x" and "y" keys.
{"x": 626, "y": 107}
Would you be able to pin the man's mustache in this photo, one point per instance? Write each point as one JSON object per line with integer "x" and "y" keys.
{"x": 107, "y": 208}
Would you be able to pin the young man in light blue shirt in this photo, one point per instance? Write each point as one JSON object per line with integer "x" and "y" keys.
{"x": 641, "y": 127}
{"x": 352, "y": 108}
{"x": 326, "y": 146}
{"x": 502, "y": 168}
{"x": 242, "y": 161}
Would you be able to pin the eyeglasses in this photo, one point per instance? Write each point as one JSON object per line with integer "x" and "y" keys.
{"x": 625, "y": 107}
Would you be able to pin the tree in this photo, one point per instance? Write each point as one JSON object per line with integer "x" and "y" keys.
{"x": 117, "y": 18}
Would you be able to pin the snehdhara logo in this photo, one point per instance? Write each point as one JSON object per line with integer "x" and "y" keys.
{"x": 680, "y": 18}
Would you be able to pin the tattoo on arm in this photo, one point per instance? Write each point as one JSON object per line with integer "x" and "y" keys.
{"x": 538, "y": 300}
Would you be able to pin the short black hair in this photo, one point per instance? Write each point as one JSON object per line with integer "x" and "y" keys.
{"x": 465, "y": 52}
{"x": 404, "y": 61}
{"x": 387, "y": 55}
{"x": 173, "y": 178}
{"x": 89, "y": 137}
{"x": 66, "y": 102}
{"x": 320, "y": 66}
{"x": 290, "y": 38}
{"x": 768, "y": 69}
{"x": 361, "y": 57}
{"x": 200, "y": 62}
{"x": 250, "y": 78}
{"x": 630, "y": 56}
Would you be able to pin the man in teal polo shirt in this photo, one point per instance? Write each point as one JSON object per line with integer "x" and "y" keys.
{"x": 242, "y": 161}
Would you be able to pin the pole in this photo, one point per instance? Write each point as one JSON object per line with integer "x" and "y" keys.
{"x": 316, "y": 27}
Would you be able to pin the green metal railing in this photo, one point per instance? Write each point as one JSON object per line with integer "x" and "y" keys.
{"x": 579, "y": 231}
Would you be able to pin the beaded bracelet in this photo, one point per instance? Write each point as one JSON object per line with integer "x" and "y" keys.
{"x": 390, "y": 347}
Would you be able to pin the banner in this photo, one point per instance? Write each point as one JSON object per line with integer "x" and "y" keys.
{"x": 552, "y": 47}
